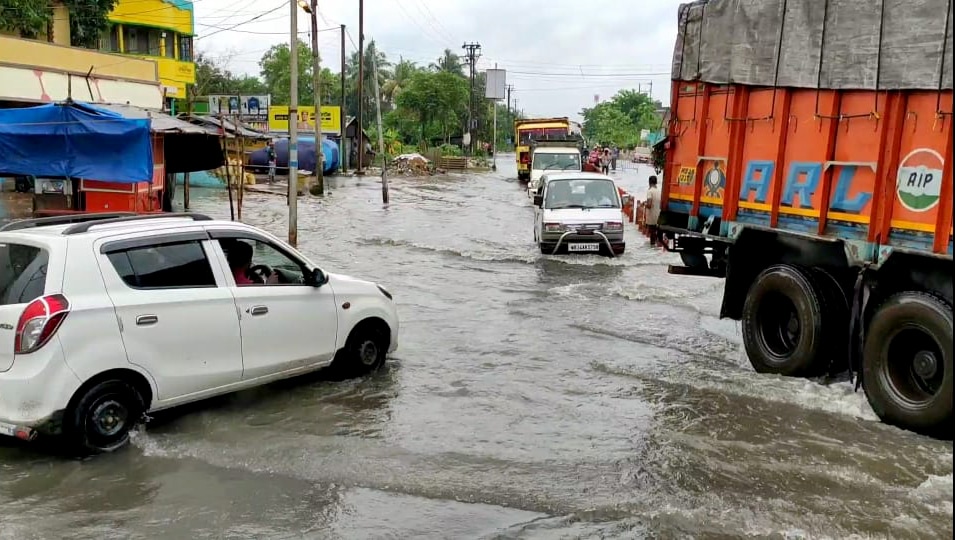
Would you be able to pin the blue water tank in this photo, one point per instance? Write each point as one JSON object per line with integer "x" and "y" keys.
{"x": 330, "y": 155}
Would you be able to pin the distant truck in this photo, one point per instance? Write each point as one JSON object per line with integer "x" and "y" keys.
{"x": 553, "y": 154}
{"x": 528, "y": 129}
{"x": 827, "y": 208}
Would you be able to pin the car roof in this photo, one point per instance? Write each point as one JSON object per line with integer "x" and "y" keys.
{"x": 576, "y": 175}
{"x": 107, "y": 228}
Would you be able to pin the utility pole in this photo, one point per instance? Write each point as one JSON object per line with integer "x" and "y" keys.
{"x": 317, "y": 90}
{"x": 361, "y": 83}
{"x": 510, "y": 88}
{"x": 293, "y": 131}
{"x": 381, "y": 138}
{"x": 342, "y": 154}
{"x": 473, "y": 53}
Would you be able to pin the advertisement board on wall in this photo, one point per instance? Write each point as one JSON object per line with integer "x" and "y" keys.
{"x": 247, "y": 108}
{"x": 331, "y": 119}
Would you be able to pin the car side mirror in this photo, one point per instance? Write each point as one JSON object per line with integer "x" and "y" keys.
{"x": 317, "y": 278}
{"x": 538, "y": 200}
{"x": 626, "y": 200}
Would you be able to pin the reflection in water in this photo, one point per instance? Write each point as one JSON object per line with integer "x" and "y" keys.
{"x": 531, "y": 397}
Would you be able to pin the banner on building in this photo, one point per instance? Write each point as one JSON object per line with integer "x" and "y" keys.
{"x": 247, "y": 108}
{"x": 331, "y": 119}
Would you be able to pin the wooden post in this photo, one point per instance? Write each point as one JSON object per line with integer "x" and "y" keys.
{"x": 225, "y": 152}
{"x": 241, "y": 180}
{"x": 185, "y": 177}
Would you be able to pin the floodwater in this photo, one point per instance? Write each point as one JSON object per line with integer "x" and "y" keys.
{"x": 531, "y": 397}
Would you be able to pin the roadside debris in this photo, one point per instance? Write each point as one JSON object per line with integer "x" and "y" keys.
{"x": 412, "y": 165}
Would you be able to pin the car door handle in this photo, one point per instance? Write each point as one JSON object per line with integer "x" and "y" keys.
{"x": 257, "y": 310}
{"x": 146, "y": 320}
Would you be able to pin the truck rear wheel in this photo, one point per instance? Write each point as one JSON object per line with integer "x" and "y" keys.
{"x": 907, "y": 363}
{"x": 784, "y": 323}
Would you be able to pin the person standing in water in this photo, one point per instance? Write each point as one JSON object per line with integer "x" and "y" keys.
{"x": 652, "y": 205}
{"x": 614, "y": 154}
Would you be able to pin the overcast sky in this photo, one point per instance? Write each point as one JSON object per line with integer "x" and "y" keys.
{"x": 558, "y": 54}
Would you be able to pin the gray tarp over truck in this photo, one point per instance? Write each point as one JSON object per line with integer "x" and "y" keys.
{"x": 863, "y": 44}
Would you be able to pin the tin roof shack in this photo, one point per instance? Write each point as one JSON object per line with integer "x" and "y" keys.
{"x": 239, "y": 141}
{"x": 112, "y": 158}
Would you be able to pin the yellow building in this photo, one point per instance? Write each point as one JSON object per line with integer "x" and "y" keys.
{"x": 159, "y": 30}
{"x": 47, "y": 69}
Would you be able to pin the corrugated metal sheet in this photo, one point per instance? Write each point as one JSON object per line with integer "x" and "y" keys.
{"x": 160, "y": 121}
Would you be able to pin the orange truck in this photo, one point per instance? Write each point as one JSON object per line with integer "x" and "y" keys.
{"x": 527, "y": 130}
{"x": 815, "y": 176}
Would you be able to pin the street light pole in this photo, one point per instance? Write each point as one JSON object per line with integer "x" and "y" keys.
{"x": 293, "y": 130}
{"x": 317, "y": 89}
{"x": 361, "y": 84}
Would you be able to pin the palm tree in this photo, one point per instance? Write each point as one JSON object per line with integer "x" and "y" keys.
{"x": 368, "y": 90}
{"x": 400, "y": 77}
{"x": 449, "y": 62}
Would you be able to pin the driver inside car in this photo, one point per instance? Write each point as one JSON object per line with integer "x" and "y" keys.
{"x": 239, "y": 255}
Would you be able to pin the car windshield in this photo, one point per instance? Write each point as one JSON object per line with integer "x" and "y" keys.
{"x": 556, "y": 162}
{"x": 581, "y": 193}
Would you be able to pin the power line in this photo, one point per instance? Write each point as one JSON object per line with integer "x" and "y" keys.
{"x": 259, "y": 16}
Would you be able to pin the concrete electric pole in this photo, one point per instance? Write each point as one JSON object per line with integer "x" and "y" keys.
{"x": 293, "y": 130}
{"x": 359, "y": 133}
{"x": 317, "y": 91}
{"x": 473, "y": 53}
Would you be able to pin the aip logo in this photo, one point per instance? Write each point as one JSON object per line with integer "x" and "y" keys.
{"x": 919, "y": 184}
{"x": 715, "y": 181}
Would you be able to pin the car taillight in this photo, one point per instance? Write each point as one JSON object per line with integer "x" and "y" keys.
{"x": 39, "y": 321}
{"x": 553, "y": 227}
{"x": 613, "y": 226}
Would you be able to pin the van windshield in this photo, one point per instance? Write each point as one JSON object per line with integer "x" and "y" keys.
{"x": 581, "y": 193}
{"x": 22, "y": 273}
{"x": 556, "y": 162}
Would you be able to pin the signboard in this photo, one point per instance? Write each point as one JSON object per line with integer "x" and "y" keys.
{"x": 496, "y": 87}
{"x": 248, "y": 108}
{"x": 331, "y": 119}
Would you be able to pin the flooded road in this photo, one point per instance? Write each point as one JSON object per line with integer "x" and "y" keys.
{"x": 531, "y": 397}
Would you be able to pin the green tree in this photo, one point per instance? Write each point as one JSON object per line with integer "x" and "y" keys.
{"x": 401, "y": 76}
{"x": 620, "y": 120}
{"x": 30, "y": 18}
{"x": 276, "y": 73}
{"x": 437, "y": 99}
{"x": 88, "y": 20}
{"x": 213, "y": 78}
{"x": 448, "y": 62}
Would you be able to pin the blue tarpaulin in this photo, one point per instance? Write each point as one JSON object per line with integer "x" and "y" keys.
{"x": 77, "y": 141}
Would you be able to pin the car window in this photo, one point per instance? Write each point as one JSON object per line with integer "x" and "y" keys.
{"x": 263, "y": 264}
{"x": 165, "y": 266}
{"x": 22, "y": 273}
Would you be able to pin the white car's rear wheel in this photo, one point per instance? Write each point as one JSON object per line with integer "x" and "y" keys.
{"x": 101, "y": 418}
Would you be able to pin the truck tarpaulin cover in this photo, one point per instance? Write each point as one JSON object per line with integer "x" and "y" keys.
{"x": 75, "y": 140}
{"x": 830, "y": 44}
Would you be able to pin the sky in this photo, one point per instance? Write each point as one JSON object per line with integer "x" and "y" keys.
{"x": 559, "y": 54}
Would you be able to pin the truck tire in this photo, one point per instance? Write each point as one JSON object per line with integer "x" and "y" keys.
{"x": 784, "y": 322}
{"x": 907, "y": 363}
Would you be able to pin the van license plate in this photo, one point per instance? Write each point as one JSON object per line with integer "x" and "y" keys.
{"x": 583, "y": 247}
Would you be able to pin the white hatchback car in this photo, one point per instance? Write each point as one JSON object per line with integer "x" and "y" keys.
{"x": 104, "y": 318}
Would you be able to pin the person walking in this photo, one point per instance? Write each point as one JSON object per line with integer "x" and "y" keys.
{"x": 270, "y": 156}
{"x": 605, "y": 161}
{"x": 652, "y": 206}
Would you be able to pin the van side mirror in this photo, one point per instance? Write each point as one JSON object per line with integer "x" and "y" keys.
{"x": 538, "y": 200}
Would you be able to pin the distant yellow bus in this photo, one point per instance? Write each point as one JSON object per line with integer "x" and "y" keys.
{"x": 528, "y": 128}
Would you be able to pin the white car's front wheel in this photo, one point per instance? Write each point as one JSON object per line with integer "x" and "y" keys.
{"x": 365, "y": 350}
